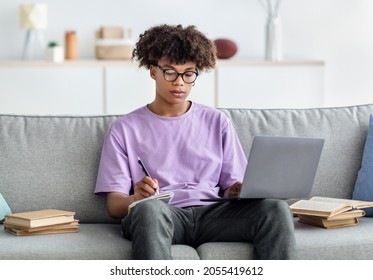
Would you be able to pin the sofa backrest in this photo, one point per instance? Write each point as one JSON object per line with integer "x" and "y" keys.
{"x": 52, "y": 161}
{"x": 343, "y": 128}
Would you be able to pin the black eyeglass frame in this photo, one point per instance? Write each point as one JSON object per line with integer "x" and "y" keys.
{"x": 178, "y": 74}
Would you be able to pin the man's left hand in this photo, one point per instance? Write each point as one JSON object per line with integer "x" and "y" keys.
{"x": 233, "y": 190}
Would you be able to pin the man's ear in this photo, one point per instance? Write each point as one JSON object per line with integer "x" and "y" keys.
{"x": 152, "y": 71}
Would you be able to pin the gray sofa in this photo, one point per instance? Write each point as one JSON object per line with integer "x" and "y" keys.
{"x": 52, "y": 161}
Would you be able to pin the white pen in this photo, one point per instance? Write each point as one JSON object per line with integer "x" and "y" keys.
{"x": 145, "y": 171}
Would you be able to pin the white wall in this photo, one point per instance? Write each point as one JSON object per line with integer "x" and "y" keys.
{"x": 340, "y": 32}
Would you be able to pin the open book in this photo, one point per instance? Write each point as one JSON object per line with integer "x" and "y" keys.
{"x": 327, "y": 207}
{"x": 166, "y": 197}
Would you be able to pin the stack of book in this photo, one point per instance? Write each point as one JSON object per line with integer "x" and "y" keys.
{"x": 329, "y": 212}
{"x": 44, "y": 221}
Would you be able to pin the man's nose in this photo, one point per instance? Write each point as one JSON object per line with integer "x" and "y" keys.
{"x": 179, "y": 80}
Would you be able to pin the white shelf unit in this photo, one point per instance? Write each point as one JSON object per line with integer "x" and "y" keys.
{"x": 265, "y": 84}
{"x": 87, "y": 87}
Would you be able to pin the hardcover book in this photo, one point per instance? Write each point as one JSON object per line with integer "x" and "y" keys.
{"x": 325, "y": 223}
{"x": 21, "y": 232}
{"x": 327, "y": 207}
{"x": 74, "y": 224}
{"x": 39, "y": 218}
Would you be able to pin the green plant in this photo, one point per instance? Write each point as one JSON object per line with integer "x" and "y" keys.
{"x": 52, "y": 44}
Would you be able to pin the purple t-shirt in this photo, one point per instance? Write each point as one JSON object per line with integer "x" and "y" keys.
{"x": 194, "y": 155}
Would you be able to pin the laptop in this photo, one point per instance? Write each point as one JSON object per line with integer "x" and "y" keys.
{"x": 280, "y": 167}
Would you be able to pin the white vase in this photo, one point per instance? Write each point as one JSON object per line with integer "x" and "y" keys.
{"x": 273, "y": 39}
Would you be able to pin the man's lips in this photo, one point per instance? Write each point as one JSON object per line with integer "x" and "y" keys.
{"x": 177, "y": 92}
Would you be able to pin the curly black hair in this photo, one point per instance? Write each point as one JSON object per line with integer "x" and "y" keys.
{"x": 176, "y": 43}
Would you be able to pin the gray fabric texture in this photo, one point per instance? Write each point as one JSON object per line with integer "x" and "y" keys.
{"x": 349, "y": 243}
{"x": 51, "y": 162}
{"x": 103, "y": 241}
{"x": 226, "y": 251}
{"x": 92, "y": 242}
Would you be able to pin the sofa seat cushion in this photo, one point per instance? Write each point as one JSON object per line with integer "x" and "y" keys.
{"x": 226, "y": 251}
{"x": 103, "y": 241}
{"x": 349, "y": 243}
{"x": 93, "y": 241}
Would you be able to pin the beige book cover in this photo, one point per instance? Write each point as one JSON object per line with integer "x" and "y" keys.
{"x": 327, "y": 207}
{"x": 58, "y": 226}
{"x": 40, "y": 218}
{"x": 20, "y": 232}
{"x": 329, "y": 224}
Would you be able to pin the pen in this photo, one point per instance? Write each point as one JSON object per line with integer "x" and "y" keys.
{"x": 145, "y": 171}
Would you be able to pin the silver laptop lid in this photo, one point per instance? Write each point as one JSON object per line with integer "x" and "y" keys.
{"x": 281, "y": 167}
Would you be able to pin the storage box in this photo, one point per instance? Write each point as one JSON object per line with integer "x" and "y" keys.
{"x": 111, "y": 44}
{"x": 114, "y": 52}
{"x": 110, "y": 32}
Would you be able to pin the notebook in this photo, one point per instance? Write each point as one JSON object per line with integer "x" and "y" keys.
{"x": 280, "y": 167}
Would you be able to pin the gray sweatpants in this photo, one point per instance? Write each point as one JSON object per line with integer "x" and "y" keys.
{"x": 154, "y": 226}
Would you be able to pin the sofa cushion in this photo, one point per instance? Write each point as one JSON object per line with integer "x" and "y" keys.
{"x": 349, "y": 243}
{"x": 364, "y": 182}
{"x": 343, "y": 128}
{"x": 52, "y": 162}
{"x": 226, "y": 251}
{"x": 92, "y": 242}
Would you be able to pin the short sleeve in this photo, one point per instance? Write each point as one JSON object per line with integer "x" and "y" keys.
{"x": 113, "y": 173}
{"x": 234, "y": 160}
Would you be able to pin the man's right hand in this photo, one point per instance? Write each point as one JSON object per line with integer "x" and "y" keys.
{"x": 145, "y": 188}
{"x": 117, "y": 203}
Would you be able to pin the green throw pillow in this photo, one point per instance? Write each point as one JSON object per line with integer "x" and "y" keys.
{"x": 4, "y": 208}
{"x": 364, "y": 183}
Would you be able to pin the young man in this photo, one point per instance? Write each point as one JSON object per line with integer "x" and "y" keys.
{"x": 191, "y": 150}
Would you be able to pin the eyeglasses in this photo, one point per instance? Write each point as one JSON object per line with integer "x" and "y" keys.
{"x": 171, "y": 75}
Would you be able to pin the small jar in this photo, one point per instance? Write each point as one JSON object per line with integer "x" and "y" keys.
{"x": 71, "y": 48}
